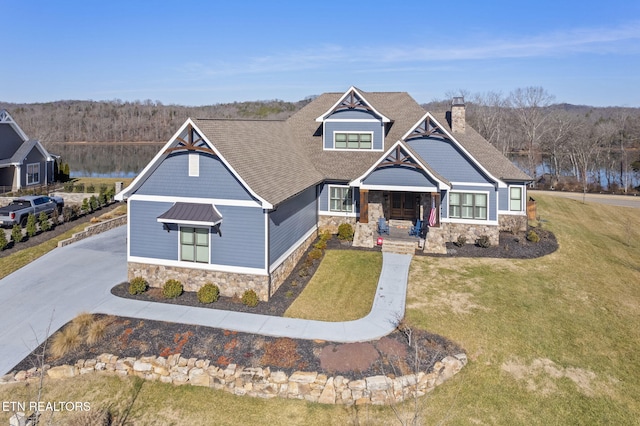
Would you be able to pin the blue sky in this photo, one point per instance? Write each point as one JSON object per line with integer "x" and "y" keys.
{"x": 205, "y": 52}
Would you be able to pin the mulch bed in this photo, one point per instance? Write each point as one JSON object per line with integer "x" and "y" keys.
{"x": 390, "y": 355}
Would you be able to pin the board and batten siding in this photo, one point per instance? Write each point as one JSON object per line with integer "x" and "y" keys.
{"x": 448, "y": 161}
{"x": 401, "y": 176}
{"x": 354, "y": 127}
{"x": 214, "y": 180}
{"x": 11, "y": 141}
{"x": 290, "y": 222}
{"x": 241, "y": 243}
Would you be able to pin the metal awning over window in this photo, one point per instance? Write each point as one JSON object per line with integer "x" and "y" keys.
{"x": 192, "y": 214}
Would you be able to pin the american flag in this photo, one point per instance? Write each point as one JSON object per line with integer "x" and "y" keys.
{"x": 432, "y": 217}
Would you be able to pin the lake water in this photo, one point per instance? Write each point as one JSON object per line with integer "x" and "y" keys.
{"x": 123, "y": 160}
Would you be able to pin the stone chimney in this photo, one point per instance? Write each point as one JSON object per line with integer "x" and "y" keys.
{"x": 457, "y": 115}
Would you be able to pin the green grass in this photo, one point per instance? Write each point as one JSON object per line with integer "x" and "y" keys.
{"x": 342, "y": 288}
{"x": 97, "y": 181}
{"x": 550, "y": 341}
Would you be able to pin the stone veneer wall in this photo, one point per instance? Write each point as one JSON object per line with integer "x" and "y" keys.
{"x": 513, "y": 223}
{"x": 259, "y": 382}
{"x": 331, "y": 223}
{"x": 230, "y": 283}
{"x": 449, "y": 232}
{"x": 280, "y": 274}
{"x": 94, "y": 230}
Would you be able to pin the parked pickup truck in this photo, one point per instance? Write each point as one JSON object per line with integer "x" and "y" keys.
{"x": 19, "y": 209}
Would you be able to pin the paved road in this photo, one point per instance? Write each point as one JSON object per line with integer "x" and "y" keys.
{"x": 53, "y": 289}
{"x": 612, "y": 200}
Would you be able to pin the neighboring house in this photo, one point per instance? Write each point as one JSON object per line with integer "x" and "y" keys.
{"x": 24, "y": 162}
{"x": 237, "y": 202}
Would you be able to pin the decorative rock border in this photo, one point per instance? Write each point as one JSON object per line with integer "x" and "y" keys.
{"x": 259, "y": 382}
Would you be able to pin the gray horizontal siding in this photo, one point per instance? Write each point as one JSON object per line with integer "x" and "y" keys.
{"x": 376, "y": 128}
{"x": 34, "y": 157}
{"x": 241, "y": 242}
{"x": 448, "y": 161}
{"x": 290, "y": 222}
{"x": 147, "y": 238}
{"x": 214, "y": 181}
{"x": 401, "y": 176}
{"x": 503, "y": 198}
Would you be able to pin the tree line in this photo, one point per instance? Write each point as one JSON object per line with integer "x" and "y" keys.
{"x": 589, "y": 147}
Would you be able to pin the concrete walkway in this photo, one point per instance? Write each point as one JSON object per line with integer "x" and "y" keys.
{"x": 44, "y": 295}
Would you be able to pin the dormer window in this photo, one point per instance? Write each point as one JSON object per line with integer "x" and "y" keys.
{"x": 345, "y": 140}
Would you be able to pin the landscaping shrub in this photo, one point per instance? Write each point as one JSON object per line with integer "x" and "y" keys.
{"x": 137, "y": 285}
{"x": 16, "y": 233}
{"x": 325, "y": 236}
{"x": 43, "y": 219}
{"x": 3, "y": 240}
{"x": 321, "y": 244}
{"x": 172, "y": 289}
{"x": 533, "y": 236}
{"x": 66, "y": 213}
{"x": 345, "y": 232}
{"x": 66, "y": 340}
{"x": 315, "y": 254}
{"x": 91, "y": 188}
{"x": 462, "y": 240}
{"x": 250, "y": 298}
{"x": 483, "y": 241}
{"x": 31, "y": 225}
{"x": 85, "y": 205}
{"x": 95, "y": 331}
{"x": 78, "y": 188}
{"x": 68, "y": 187}
{"x": 208, "y": 293}
{"x": 102, "y": 199}
{"x": 93, "y": 202}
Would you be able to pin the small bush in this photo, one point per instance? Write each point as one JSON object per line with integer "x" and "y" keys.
{"x": 462, "y": 240}
{"x": 83, "y": 320}
{"x": 325, "y": 236}
{"x": 208, "y": 293}
{"x": 483, "y": 241}
{"x": 16, "y": 233}
{"x": 303, "y": 272}
{"x": 345, "y": 232}
{"x": 96, "y": 331}
{"x": 68, "y": 187}
{"x": 137, "y": 285}
{"x": 91, "y": 188}
{"x": 172, "y": 289}
{"x": 93, "y": 202}
{"x": 31, "y": 225}
{"x": 3, "y": 240}
{"x": 321, "y": 244}
{"x": 315, "y": 254}
{"x": 533, "y": 236}
{"x": 78, "y": 188}
{"x": 66, "y": 340}
{"x": 250, "y": 298}
{"x": 85, "y": 205}
{"x": 43, "y": 219}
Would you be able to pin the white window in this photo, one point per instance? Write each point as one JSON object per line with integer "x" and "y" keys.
{"x": 194, "y": 244}
{"x": 352, "y": 140}
{"x": 515, "y": 198}
{"x": 33, "y": 173}
{"x": 340, "y": 199}
{"x": 468, "y": 205}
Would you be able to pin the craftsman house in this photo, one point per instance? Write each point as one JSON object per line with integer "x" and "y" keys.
{"x": 237, "y": 202}
{"x": 24, "y": 162}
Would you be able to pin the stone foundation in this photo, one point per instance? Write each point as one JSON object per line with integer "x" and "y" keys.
{"x": 230, "y": 284}
{"x": 280, "y": 274}
{"x": 331, "y": 223}
{"x": 513, "y": 224}
{"x": 449, "y": 232}
{"x": 259, "y": 382}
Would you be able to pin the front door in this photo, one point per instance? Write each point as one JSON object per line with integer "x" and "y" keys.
{"x": 403, "y": 205}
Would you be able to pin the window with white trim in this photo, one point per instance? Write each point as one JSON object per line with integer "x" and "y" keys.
{"x": 515, "y": 198}
{"x": 194, "y": 244}
{"x": 33, "y": 173}
{"x": 468, "y": 205}
{"x": 342, "y": 140}
{"x": 340, "y": 199}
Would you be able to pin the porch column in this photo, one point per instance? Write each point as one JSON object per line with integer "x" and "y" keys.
{"x": 364, "y": 206}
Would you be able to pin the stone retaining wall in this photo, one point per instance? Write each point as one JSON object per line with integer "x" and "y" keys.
{"x": 94, "y": 230}
{"x": 259, "y": 382}
{"x": 513, "y": 223}
{"x": 449, "y": 232}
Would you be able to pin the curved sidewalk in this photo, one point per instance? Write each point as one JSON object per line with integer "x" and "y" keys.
{"x": 387, "y": 310}
{"x": 41, "y": 297}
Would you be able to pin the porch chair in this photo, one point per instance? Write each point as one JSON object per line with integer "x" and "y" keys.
{"x": 383, "y": 228}
{"x": 416, "y": 229}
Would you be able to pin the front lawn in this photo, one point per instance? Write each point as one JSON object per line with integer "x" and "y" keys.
{"x": 342, "y": 289}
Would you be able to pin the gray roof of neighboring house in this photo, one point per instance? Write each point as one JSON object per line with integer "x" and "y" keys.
{"x": 22, "y": 152}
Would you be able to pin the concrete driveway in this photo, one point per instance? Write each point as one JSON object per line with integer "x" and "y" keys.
{"x": 53, "y": 289}
{"x": 38, "y": 299}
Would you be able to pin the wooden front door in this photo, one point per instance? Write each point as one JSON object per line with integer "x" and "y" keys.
{"x": 404, "y": 205}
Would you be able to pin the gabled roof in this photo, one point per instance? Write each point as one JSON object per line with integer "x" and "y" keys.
{"x": 352, "y": 99}
{"x": 5, "y": 118}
